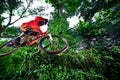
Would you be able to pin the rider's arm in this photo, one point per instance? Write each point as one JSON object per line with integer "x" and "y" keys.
{"x": 23, "y": 27}
{"x": 41, "y": 23}
{"x": 31, "y": 32}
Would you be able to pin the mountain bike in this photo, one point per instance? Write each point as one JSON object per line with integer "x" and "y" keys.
{"x": 47, "y": 43}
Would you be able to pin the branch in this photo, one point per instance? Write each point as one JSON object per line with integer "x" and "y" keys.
{"x": 21, "y": 16}
{"x": 10, "y": 17}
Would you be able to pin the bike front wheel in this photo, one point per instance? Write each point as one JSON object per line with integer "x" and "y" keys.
{"x": 56, "y": 46}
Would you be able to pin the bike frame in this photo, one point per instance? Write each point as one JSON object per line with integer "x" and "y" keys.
{"x": 35, "y": 38}
{"x": 30, "y": 40}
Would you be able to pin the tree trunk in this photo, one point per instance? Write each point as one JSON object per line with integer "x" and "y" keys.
{"x": 0, "y": 29}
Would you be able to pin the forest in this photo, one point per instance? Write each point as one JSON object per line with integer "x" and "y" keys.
{"x": 94, "y": 43}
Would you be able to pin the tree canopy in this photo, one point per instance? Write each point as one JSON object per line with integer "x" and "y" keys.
{"x": 11, "y": 8}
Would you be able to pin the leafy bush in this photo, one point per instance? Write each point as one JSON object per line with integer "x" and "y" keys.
{"x": 24, "y": 64}
{"x": 11, "y": 31}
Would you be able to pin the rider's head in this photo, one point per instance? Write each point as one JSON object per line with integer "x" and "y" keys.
{"x": 41, "y": 21}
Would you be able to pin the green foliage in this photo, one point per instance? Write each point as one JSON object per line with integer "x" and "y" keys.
{"x": 89, "y": 8}
{"x": 89, "y": 29}
{"x": 70, "y": 6}
{"x": 25, "y": 64}
{"x": 105, "y": 20}
{"x": 12, "y": 31}
{"x": 90, "y": 64}
{"x": 110, "y": 62}
{"x": 58, "y": 25}
{"x": 8, "y": 5}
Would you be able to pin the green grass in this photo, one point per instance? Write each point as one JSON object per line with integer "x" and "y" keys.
{"x": 29, "y": 64}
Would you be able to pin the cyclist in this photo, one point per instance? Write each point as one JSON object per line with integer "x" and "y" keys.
{"x": 32, "y": 28}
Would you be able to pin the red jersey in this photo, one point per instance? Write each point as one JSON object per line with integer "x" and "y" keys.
{"x": 33, "y": 24}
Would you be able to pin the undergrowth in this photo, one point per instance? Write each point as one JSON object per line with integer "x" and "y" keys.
{"x": 28, "y": 63}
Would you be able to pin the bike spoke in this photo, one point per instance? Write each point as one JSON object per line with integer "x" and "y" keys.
{"x": 8, "y": 52}
{"x": 6, "y": 49}
{"x": 54, "y": 46}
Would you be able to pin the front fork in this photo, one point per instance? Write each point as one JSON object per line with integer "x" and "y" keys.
{"x": 51, "y": 38}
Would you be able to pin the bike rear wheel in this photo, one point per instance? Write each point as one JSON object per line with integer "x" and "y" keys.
{"x": 6, "y": 49}
{"x": 56, "y": 46}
